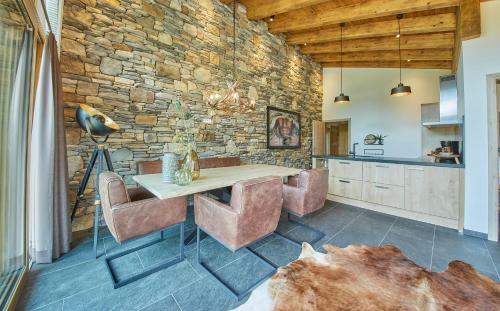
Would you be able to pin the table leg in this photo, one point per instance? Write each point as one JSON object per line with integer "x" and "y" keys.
{"x": 191, "y": 238}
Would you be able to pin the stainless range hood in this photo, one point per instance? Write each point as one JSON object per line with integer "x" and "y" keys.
{"x": 448, "y": 103}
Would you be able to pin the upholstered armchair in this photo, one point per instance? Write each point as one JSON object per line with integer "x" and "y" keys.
{"x": 305, "y": 194}
{"x": 252, "y": 214}
{"x": 128, "y": 218}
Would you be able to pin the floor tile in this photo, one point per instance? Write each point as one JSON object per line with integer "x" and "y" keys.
{"x": 494, "y": 250}
{"x": 42, "y": 290}
{"x": 205, "y": 295}
{"x": 134, "y": 295}
{"x": 369, "y": 228}
{"x": 166, "y": 304}
{"x": 450, "y": 245}
{"x": 333, "y": 220}
{"x": 414, "y": 239}
{"x": 279, "y": 251}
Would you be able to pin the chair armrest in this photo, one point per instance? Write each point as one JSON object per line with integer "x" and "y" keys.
{"x": 293, "y": 199}
{"x": 218, "y": 219}
{"x": 137, "y": 218}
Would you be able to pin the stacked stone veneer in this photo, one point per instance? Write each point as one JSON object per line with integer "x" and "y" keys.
{"x": 128, "y": 58}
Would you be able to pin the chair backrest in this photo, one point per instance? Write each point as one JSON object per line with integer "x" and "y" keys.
{"x": 314, "y": 183}
{"x": 112, "y": 191}
{"x": 259, "y": 202}
{"x": 219, "y": 162}
{"x": 149, "y": 167}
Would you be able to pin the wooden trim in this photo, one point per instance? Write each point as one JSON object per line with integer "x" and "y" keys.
{"x": 470, "y": 19}
{"x": 376, "y": 56}
{"x": 330, "y": 13}
{"x": 393, "y": 64}
{"x": 413, "y": 25}
{"x": 444, "y": 40}
{"x": 260, "y": 9}
{"x": 449, "y": 223}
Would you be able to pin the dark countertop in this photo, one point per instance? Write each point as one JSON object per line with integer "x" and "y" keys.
{"x": 407, "y": 161}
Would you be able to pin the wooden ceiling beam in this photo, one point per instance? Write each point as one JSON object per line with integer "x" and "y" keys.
{"x": 431, "y": 54}
{"x": 470, "y": 19}
{"x": 392, "y": 64}
{"x": 414, "y": 25}
{"x": 409, "y": 42}
{"x": 260, "y": 9}
{"x": 329, "y": 13}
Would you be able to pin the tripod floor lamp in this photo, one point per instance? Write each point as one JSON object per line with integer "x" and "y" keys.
{"x": 96, "y": 124}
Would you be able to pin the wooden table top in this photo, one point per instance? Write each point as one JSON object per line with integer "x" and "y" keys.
{"x": 212, "y": 178}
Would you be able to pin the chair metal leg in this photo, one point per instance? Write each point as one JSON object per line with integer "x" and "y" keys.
{"x": 238, "y": 295}
{"x": 163, "y": 265}
{"x": 298, "y": 223}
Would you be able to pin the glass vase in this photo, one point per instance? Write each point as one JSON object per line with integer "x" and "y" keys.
{"x": 192, "y": 162}
{"x": 169, "y": 166}
{"x": 183, "y": 177}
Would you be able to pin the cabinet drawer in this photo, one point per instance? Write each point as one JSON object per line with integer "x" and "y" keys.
{"x": 383, "y": 173}
{"x": 383, "y": 194}
{"x": 344, "y": 187}
{"x": 347, "y": 169}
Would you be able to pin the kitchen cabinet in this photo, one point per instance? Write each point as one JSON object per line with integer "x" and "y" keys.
{"x": 383, "y": 194}
{"x": 432, "y": 190}
{"x": 347, "y": 188}
{"x": 346, "y": 169}
{"x": 383, "y": 173}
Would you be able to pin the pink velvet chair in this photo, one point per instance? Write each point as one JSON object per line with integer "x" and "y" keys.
{"x": 127, "y": 218}
{"x": 252, "y": 214}
{"x": 305, "y": 194}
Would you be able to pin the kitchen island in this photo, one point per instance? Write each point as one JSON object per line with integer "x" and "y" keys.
{"x": 417, "y": 189}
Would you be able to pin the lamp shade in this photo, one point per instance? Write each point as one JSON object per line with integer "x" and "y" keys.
{"x": 342, "y": 99}
{"x": 95, "y": 122}
{"x": 401, "y": 90}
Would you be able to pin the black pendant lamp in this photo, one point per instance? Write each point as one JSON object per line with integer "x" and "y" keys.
{"x": 341, "y": 99}
{"x": 401, "y": 89}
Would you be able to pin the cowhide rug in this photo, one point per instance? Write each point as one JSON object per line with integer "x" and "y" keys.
{"x": 371, "y": 278}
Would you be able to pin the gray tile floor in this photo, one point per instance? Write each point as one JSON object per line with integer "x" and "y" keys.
{"x": 78, "y": 282}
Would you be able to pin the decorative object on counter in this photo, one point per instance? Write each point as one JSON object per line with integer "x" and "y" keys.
{"x": 373, "y": 152}
{"x": 283, "y": 129}
{"x": 372, "y": 139}
{"x": 169, "y": 167}
{"x": 95, "y": 124}
{"x": 191, "y": 162}
{"x": 401, "y": 89}
{"x": 183, "y": 177}
{"x": 449, "y": 152}
{"x": 231, "y": 100}
{"x": 341, "y": 99}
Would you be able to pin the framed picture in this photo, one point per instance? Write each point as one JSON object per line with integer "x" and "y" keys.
{"x": 283, "y": 129}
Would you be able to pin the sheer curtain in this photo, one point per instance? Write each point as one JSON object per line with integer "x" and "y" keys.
{"x": 50, "y": 227}
{"x": 15, "y": 70}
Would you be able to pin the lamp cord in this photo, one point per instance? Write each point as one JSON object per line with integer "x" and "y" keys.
{"x": 399, "y": 37}
{"x": 234, "y": 40}
{"x": 341, "y": 63}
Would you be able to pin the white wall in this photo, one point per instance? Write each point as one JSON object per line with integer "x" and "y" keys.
{"x": 373, "y": 111}
{"x": 480, "y": 58}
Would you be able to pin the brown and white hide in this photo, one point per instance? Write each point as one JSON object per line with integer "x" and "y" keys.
{"x": 362, "y": 277}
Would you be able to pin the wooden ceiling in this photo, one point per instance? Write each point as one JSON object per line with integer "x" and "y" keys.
{"x": 430, "y": 29}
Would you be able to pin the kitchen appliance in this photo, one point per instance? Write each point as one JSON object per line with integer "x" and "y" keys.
{"x": 449, "y": 152}
{"x": 450, "y": 146}
{"x": 448, "y": 103}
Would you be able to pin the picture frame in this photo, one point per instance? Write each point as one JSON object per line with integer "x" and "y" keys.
{"x": 283, "y": 129}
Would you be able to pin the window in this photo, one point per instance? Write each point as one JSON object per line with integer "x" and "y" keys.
{"x": 15, "y": 80}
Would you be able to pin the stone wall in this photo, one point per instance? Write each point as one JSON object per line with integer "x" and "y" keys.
{"x": 128, "y": 58}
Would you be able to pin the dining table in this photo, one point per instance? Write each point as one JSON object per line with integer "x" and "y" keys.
{"x": 211, "y": 179}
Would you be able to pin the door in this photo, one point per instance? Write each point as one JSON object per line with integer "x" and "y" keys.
{"x": 318, "y": 138}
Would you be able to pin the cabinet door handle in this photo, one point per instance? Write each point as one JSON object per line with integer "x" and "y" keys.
{"x": 382, "y": 187}
{"x": 344, "y": 181}
{"x": 382, "y": 166}
{"x": 415, "y": 169}
{"x": 344, "y": 162}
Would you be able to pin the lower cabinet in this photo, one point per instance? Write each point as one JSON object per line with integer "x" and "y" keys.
{"x": 383, "y": 194}
{"x": 433, "y": 190}
{"x": 347, "y": 188}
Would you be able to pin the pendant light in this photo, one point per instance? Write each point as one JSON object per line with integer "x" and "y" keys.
{"x": 401, "y": 89}
{"x": 341, "y": 99}
{"x": 231, "y": 101}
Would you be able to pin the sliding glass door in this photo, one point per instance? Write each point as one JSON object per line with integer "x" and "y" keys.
{"x": 15, "y": 80}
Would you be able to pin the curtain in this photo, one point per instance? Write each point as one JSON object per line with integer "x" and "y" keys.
{"x": 15, "y": 78}
{"x": 50, "y": 227}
